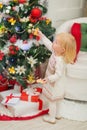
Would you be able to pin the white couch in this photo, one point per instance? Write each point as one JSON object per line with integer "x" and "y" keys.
{"x": 74, "y": 106}
{"x": 65, "y": 27}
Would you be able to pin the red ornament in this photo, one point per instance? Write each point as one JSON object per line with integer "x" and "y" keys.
{"x": 1, "y": 56}
{"x": 13, "y": 50}
{"x": 13, "y": 39}
{"x": 32, "y": 20}
{"x": 31, "y": 36}
{"x": 36, "y": 13}
{"x": 22, "y": 1}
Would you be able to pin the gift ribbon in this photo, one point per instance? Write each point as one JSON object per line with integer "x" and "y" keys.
{"x": 38, "y": 90}
{"x": 10, "y": 97}
{"x": 40, "y": 104}
{"x": 33, "y": 98}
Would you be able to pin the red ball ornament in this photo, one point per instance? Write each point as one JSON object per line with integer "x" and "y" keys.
{"x": 36, "y": 13}
{"x": 13, "y": 39}
{"x": 22, "y": 1}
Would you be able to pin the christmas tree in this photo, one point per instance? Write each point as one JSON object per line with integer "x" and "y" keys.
{"x": 20, "y": 49}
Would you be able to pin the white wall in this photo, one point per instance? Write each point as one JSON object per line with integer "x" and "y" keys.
{"x": 62, "y": 10}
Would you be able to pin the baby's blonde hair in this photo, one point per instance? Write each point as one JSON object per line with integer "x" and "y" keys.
{"x": 68, "y": 42}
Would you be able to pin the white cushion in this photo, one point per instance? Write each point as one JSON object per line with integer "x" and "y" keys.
{"x": 79, "y": 68}
{"x": 66, "y": 26}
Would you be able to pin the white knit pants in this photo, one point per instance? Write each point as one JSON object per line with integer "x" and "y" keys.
{"x": 54, "y": 108}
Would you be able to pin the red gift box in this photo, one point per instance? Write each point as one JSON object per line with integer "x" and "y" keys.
{"x": 24, "y": 96}
{"x": 32, "y": 98}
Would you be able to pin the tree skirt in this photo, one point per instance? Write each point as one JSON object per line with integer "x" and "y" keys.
{"x": 21, "y": 110}
{"x": 9, "y": 118}
{"x": 6, "y": 115}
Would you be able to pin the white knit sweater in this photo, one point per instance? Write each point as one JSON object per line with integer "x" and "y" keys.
{"x": 55, "y": 73}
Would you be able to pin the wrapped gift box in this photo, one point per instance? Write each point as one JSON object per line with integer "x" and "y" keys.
{"x": 11, "y": 99}
{"x": 7, "y": 93}
{"x": 31, "y": 98}
{"x": 25, "y": 106}
{"x": 24, "y": 109}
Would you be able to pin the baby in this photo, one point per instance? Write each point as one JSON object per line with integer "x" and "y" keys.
{"x": 63, "y": 52}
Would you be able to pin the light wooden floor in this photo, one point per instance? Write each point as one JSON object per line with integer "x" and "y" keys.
{"x": 39, "y": 124}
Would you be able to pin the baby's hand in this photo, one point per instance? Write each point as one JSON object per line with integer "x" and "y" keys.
{"x": 43, "y": 81}
{"x": 41, "y": 34}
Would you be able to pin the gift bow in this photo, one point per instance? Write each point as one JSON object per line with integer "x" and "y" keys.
{"x": 10, "y": 97}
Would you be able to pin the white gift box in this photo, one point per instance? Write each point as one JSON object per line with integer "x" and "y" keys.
{"x": 19, "y": 108}
{"x": 7, "y": 93}
{"x": 11, "y": 99}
